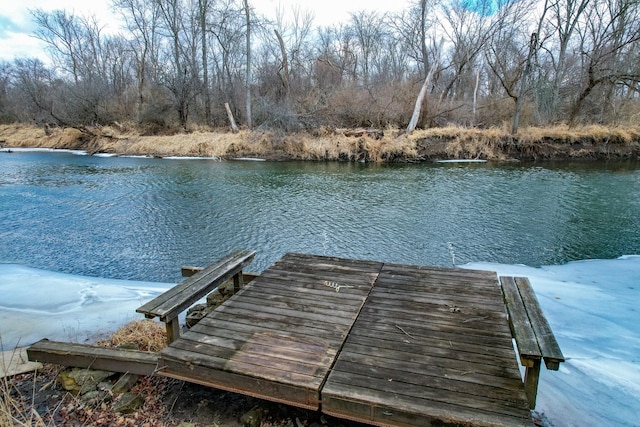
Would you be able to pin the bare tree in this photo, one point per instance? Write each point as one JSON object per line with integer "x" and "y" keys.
{"x": 565, "y": 17}
{"x": 368, "y": 28}
{"x": 283, "y": 71}
{"x": 203, "y": 12}
{"x": 142, "y": 20}
{"x": 533, "y": 46}
{"x": 85, "y": 55}
{"x": 228, "y": 49}
{"x": 423, "y": 90}
{"x": 180, "y": 61}
{"x": 34, "y": 84}
{"x": 62, "y": 34}
{"x": 468, "y": 31}
{"x": 610, "y": 38}
{"x": 178, "y": 78}
{"x": 5, "y": 100}
{"x": 293, "y": 38}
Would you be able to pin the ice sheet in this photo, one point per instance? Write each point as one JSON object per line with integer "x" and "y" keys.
{"x": 36, "y": 304}
{"x": 592, "y": 307}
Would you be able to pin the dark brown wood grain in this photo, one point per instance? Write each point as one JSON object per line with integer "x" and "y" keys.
{"x": 384, "y": 344}
{"x": 94, "y": 357}
{"x": 430, "y": 346}
{"x": 285, "y": 328}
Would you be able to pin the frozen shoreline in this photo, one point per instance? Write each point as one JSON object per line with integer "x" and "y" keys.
{"x": 80, "y": 309}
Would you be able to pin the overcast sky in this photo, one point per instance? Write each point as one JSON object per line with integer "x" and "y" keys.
{"x": 16, "y": 25}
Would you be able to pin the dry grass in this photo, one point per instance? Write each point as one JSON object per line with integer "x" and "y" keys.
{"x": 531, "y": 134}
{"x": 146, "y": 334}
{"x": 326, "y": 144}
{"x": 322, "y": 143}
{"x": 459, "y": 133}
{"x": 16, "y": 409}
{"x": 19, "y": 135}
{"x": 463, "y": 143}
{"x": 197, "y": 144}
{"x": 530, "y": 142}
{"x": 563, "y": 133}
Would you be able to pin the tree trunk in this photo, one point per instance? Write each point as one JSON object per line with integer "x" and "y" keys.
{"x": 533, "y": 45}
{"x": 423, "y": 91}
{"x": 205, "y": 63}
{"x": 577, "y": 105}
{"x": 248, "y": 71}
{"x": 232, "y": 121}
{"x": 423, "y": 36}
{"x": 284, "y": 70}
{"x": 475, "y": 96}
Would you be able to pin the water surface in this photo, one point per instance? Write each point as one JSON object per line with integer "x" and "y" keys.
{"x": 142, "y": 219}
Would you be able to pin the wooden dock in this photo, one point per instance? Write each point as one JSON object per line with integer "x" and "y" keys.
{"x": 379, "y": 343}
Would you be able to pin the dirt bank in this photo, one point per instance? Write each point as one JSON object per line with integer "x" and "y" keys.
{"x": 387, "y": 145}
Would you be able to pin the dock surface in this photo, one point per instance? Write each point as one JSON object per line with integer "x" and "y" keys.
{"x": 429, "y": 344}
{"x": 379, "y": 343}
{"x": 278, "y": 337}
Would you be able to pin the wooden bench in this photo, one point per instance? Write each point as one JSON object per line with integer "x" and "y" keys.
{"x": 170, "y": 304}
{"x": 533, "y": 335}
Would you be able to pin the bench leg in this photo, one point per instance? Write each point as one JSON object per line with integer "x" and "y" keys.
{"x": 531, "y": 376}
{"x": 173, "y": 330}
{"x": 237, "y": 282}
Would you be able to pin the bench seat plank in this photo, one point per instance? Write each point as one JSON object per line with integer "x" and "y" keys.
{"x": 549, "y": 347}
{"x": 170, "y": 304}
{"x": 532, "y": 332}
{"x": 520, "y": 323}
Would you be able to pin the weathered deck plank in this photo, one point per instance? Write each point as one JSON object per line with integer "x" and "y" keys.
{"x": 430, "y": 345}
{"x": 278, "y": 337}
{"x": 94, "y": 357}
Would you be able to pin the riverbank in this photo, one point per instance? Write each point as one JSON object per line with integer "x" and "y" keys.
{"x": 386, "y": 145}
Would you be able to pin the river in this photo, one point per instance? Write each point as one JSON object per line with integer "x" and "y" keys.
{"x": 141, "y": 219}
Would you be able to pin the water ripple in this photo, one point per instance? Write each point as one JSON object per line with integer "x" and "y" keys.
{"x": 143, "y": 218}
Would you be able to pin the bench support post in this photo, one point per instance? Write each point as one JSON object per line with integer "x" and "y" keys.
{"x": 173, "y": 330}
{"x": 237, "y": 282}
{"x": 531, "y": 377}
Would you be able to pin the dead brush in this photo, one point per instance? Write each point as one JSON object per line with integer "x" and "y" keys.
{"x": 15, "y": 408}
{"x": 146, "y": 334}
{"x": 569, "y": 135}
